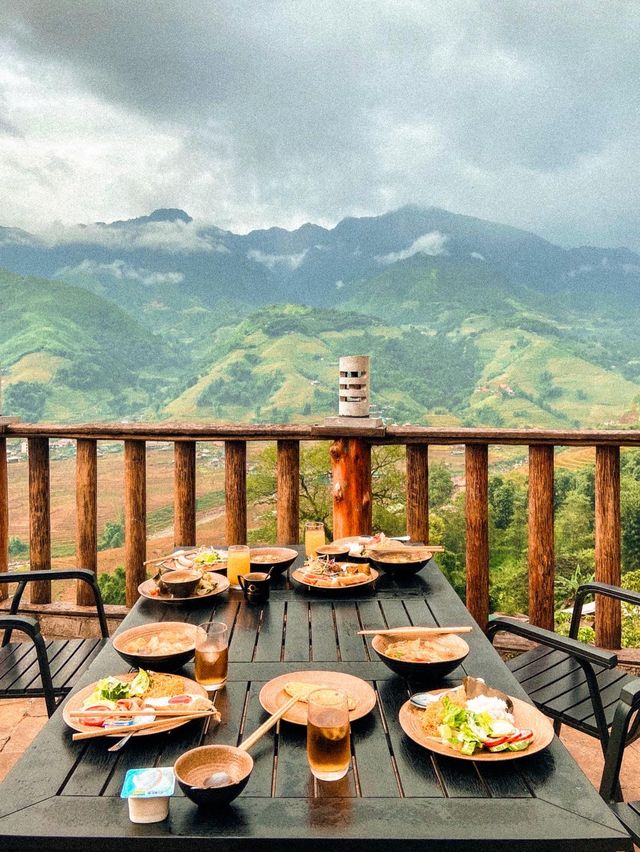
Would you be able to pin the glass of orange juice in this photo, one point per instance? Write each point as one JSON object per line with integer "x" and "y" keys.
{"x": 313, "y": 536}
{"x": 237, "y": 563}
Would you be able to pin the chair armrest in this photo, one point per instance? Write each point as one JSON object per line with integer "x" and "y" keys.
{"x": 31, "y": 628}
{"x": 577, "y": 649}
{"x": 24, "y": 623}
{"x": 596, "y": 587}
{"x": 82, "y": 574}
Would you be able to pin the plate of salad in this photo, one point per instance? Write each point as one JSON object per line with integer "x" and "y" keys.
{"x": 483, "y": 727}
{"x": 119, "y": 701}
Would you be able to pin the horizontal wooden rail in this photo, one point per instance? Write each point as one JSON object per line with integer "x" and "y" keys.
{"x": 351, "y": 464}
{"x": 167, "y": 431}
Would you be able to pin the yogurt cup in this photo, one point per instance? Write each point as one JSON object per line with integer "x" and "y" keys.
{"x": 147, "y": 791}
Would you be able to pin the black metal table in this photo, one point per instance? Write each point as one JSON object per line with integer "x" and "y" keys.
{"x": 65, "y": 796}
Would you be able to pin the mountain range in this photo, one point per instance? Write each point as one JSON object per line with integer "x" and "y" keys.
{"x": 464, "y": 319}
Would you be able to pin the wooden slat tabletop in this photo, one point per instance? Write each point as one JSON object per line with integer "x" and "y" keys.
{"x": 397, "y": 795}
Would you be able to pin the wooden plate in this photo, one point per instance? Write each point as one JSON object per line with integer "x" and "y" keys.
{"x": 299, "y": 577}
{"x": 273, "y": 695}
{"x": 76, "y": 701}
{"x": 146, "y": 588}
{"x": 524, "y": 714}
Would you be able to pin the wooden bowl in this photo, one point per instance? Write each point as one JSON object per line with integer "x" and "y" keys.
{"x": 386, "y": 561}
{"x": 339, "y": 552}
{"x": 180, "y": 584}
{"x": 157, "y": 662}
{"x": 278, "y": 559}
{"x": 422, "y": 671}
{"x": 194, "y": 766}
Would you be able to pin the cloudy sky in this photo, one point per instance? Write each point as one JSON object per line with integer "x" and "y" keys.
{"x": 251, "y": 114}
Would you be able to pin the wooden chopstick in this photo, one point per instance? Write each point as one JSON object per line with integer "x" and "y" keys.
{"x": 428, "y": 631}
{"x": 131, "y": 729}
{"x": 147, "y": 711}
{"x": 173, "y": 555}
{"x": 264, "y": 727}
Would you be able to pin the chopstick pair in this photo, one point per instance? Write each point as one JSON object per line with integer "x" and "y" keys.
{"x": 175, "y": 554}
{"x": 422, "y": 631}
{"x": 145, "y": 711}
{"x": 131, "y": 729}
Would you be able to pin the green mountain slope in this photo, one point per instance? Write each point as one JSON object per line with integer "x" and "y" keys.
{"x": 282, "y": 363}
{"x": 90, "y": 358}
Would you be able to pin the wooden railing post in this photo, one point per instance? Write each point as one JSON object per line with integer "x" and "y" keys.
{"x": 235, "y": 487}
{"x": 288, "y": 492}
{"x": 351, "y": 476}
{"x": 135, "y": 517}
{"x": 477, "y": 544}
{"x": 418, "y": 492}
{"x": 184, "y": 494}
{"x": 608, "y": 623}
{"x": 39, "y": 516}
{"x": 86, "y": 513}
{"x": 4, "y": 515}
{"x": 541, "y": 543}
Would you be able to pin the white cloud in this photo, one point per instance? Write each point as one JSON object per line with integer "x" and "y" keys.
{"x": 171, "y": 237}
{"x": 121, "y": 271}
{"x": 293, "y": 261}
{"x": 477, "y": 255}
{"x": 432, "y": 243}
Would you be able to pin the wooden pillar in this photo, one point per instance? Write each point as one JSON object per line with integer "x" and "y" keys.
{"x": 351, "y": 476}
{"x": 39, "y": 516}
{"x": 4, "y": 515}
{"x": 541, "y": 543}
{"x": 608, "y": 624}
{"x": 135, "y": 517}
{"x": 418, "y": 492}
{"x": 477, "y": 544}
{"x": 235, "y": 485}
{"x": 86, "y": 514}
{"x": 184, "y": 494}
{"x": 288, "y": 493}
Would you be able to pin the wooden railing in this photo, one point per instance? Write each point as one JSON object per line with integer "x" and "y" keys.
{"x": 351, "y": 465}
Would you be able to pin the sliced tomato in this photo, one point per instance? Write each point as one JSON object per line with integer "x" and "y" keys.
{"x": 95, "y": 721}
{"x": 523, "y": 734}
{"x": 180, "y": 699}
{"x": 496, "y": 741}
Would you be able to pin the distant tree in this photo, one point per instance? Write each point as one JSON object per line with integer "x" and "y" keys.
{"x": 440, "y": 485}
{"x": 26, "y": 399}
{"x": 112, "y": 586}
{"x": 17, "y": 547}
{"x": 630, "y": 521}
{"x": 112, "y": 535}
{"x": 501, "y": 498}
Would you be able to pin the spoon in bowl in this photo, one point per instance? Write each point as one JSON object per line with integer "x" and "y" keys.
{"x": 222, "y": 778}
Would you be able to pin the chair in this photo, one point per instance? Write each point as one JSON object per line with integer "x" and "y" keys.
{"x": 39, "y": 667}
{"x": 572, "y": 682}
{"x": 627, "y": 812}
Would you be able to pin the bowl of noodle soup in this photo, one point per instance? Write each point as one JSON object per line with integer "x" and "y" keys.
{"x": 425, "y": 658}
{"x": 163, "y": 646}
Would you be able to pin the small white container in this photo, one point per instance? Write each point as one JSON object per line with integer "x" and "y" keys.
{"x": 148, "y": 792}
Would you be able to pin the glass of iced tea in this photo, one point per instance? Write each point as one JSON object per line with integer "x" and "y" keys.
{"x": 328, "y": 734}
{"x": 313, "y": 536}
{"x": 212, "y": 655}
{"x": 238, "y": 562}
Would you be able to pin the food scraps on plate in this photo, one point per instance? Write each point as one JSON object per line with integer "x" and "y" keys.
{"x": 327, "y": 573}
{"x": 473, "y": 724}
{"x": 146, "y": 693}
